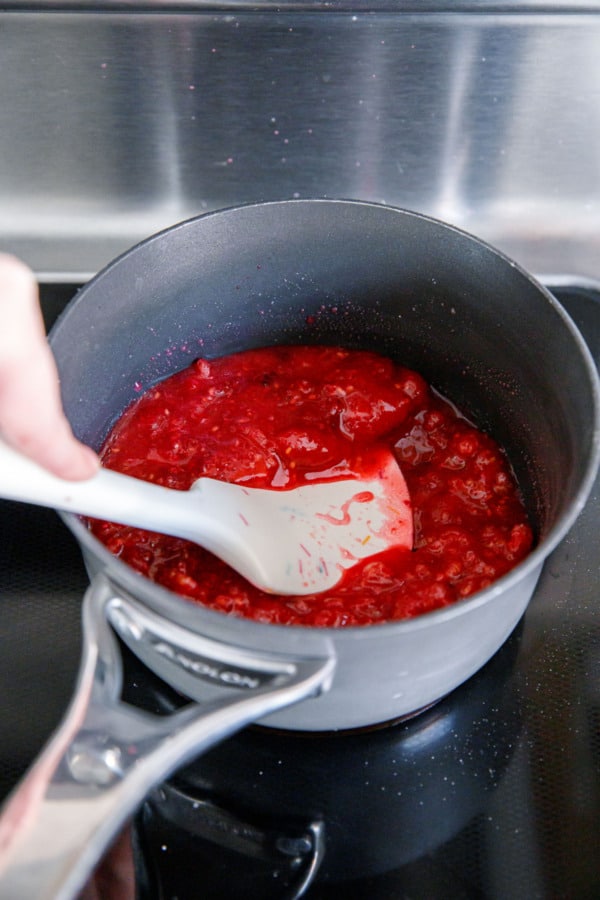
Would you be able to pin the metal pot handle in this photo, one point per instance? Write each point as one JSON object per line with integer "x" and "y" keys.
{"x": 302, "y": 847}
{"x": 106, "y": 755}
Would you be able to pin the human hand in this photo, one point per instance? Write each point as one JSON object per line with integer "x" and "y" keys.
{"x": 31, "y": 414}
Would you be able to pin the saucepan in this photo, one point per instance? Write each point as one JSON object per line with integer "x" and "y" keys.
{"x": 361, "y": 275}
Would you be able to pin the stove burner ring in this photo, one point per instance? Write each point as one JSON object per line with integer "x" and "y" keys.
{"x": 345, "y": 732}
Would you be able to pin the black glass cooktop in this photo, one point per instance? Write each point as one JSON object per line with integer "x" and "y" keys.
{"x": 493, "y": 793}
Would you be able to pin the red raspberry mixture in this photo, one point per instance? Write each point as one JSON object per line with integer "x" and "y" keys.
{"x": 268, "y": 417}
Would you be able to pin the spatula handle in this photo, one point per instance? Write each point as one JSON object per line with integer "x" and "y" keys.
{"x": 106, "y": 495}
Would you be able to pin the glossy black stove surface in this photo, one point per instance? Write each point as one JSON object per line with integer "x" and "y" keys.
{"x": 493, "y": 793}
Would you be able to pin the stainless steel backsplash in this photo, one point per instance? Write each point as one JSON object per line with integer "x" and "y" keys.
{"x": 117, "y": 122}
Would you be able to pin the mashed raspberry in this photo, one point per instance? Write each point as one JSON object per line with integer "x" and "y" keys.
{"x": 273, "y": 416}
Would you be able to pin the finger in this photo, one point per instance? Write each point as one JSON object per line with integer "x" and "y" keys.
{"x": 31, "y": 415}
{"x": 42, "y": 433}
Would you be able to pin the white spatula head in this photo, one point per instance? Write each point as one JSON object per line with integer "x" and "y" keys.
{"x": 301, "y": 541}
